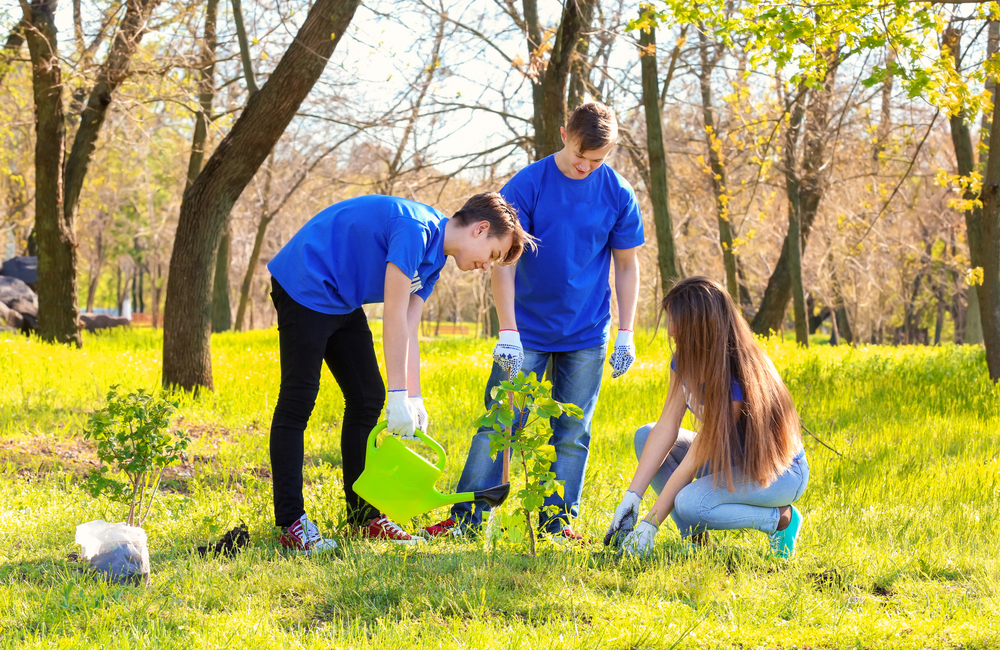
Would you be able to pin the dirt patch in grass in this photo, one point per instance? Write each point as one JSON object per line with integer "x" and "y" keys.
{"x": 31, "y": 458}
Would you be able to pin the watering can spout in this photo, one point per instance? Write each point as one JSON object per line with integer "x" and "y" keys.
{"x": 495, "y": 495}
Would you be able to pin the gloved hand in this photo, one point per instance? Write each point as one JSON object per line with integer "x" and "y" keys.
{"x": 508, "y": 352}
{"x": 626, "y": 516}
{"x": 624, "y": 354}
{"x": 421, "y": 412}
{"x": 639, "y": 542}
{"x": 401, "y": 416}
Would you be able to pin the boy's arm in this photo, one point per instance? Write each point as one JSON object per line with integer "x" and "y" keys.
{"x": 503, "y": 295}
{"x": 413, "y": 313}
{"x": 395, "y": 334}
{"x": 626, "y": 284}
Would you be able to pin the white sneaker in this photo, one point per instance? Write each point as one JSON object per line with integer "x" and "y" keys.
{"x": 303, "y": 537}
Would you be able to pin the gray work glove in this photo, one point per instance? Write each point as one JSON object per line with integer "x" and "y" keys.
{"x": 626, "y": 516}
{"x": 640, "y": 541}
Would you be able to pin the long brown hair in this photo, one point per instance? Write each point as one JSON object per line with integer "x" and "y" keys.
{"x": 715, "y": 346}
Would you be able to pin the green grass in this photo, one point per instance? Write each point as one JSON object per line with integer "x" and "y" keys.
{"x": 899, "y": 547}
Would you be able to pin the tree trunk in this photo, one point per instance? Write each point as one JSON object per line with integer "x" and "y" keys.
{"x": 793, "y": 188}
{"x": 659, "y": 194}
{"x": 580, "y": 66}
{"x": 984, "y": 243}
{"x": 571, "y": 28}
{"x": 222, "y": 314}
{"x": 258, "y": 242}
{"x": 714, "y": 147}
{"x": 982, "y": 222}
{"x": 57, "y": 249}
{"x": 206, "y": 94}
{"x": 973, "y": 324}
{"x": 535, "y": 68}
{"x": 811, "y": 188}
{"x": 206, "y": 206}
{"x": 113, "y": 72}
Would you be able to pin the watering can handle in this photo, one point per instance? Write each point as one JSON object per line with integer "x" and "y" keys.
{"x": 426, "y": 439}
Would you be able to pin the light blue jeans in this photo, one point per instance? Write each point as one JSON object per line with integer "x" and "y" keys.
{"x": 576, "y": 379}
{"x": 701, "y": 505}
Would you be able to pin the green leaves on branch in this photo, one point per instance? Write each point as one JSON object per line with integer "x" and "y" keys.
{"x": 132, "y": 442}
{"x": 525, "y": 403}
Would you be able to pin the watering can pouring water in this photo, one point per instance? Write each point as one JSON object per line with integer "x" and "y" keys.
{"x": 400, "y": 482}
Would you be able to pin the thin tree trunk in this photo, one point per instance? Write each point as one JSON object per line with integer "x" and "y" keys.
{"x": 241, "y": 36}
{"x": 222, "y": 315}
{"x": 812, "y": 186}
{"x": 206, "y": 94}
{"x": 536, "y": 73}
{"x": 793, "y": 190}
{"x": 206, "y": 206}
{"x": 580, "y": 67}
{"x": 57, "y": 250}
{"x": 659, "y": 194}
{"x": 714, "y": 146}
{"x": 258, "y": 242}
{"x": 10, "y": 48}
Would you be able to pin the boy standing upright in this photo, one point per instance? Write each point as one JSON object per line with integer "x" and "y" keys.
{"x": 365, "y": 250}
{"x": 556, "y": 309}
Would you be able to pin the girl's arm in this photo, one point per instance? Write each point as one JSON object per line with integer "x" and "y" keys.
{"x": 661, "y": 438}
{"x": 413, "y": 313}
{"x": 681, "y": 477}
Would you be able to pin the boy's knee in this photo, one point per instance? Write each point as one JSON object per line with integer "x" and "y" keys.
{"x": 641, "y": 434}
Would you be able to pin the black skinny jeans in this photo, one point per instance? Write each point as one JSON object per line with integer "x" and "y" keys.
{"x": 344, "y": 341}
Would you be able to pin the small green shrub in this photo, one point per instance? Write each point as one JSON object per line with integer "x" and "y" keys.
{"x": 132, "y": 439}
{"x": 528, "y": 402}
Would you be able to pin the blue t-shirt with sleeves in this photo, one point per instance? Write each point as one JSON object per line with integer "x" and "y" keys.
{"x": 336, "y": 262}
{"x": 562, "y": 297}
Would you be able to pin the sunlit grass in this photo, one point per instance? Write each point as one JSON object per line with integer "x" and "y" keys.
{"x": 899, "y": 547}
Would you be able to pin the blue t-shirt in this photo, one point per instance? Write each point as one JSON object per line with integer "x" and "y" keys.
{"x": 735, "y": 389}
{"x": 562, "y": 297}
{"x": 336, "y": 262}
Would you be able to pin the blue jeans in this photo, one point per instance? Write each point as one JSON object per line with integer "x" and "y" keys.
{"x": 576, "y": 379}
{"x": 701, "y": 505}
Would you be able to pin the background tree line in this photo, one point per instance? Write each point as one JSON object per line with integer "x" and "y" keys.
{"x": 826, "y": 163}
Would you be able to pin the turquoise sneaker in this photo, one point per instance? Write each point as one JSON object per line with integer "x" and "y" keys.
{"x": 783, "y": 541}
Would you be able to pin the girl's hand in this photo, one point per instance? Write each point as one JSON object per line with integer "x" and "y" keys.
{"x": 626, "y": 516}
{"x": 640, "y": 541}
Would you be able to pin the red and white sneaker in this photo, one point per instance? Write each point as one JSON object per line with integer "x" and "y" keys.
{"x": 447, "y": 528}
{"x": 385, "y": 528}
{"x": 303, "y": 537}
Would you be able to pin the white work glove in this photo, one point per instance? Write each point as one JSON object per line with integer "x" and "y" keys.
{"x": 624, "y": 354}
{"x": 639, "y": 542}
{"x": 508, "y": 352}
{"x": 400, "y": 414}
{"x": 626, "y": 516}
{"x": 418, "y": 408}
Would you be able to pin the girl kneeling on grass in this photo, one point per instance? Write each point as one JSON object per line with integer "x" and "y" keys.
{"x": 747, "y": 457}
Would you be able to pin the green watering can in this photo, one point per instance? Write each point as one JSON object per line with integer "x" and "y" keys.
{"x": 400, "y": 482}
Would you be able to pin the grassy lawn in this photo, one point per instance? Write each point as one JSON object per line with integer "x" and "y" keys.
{"x": 899, "y": 547}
